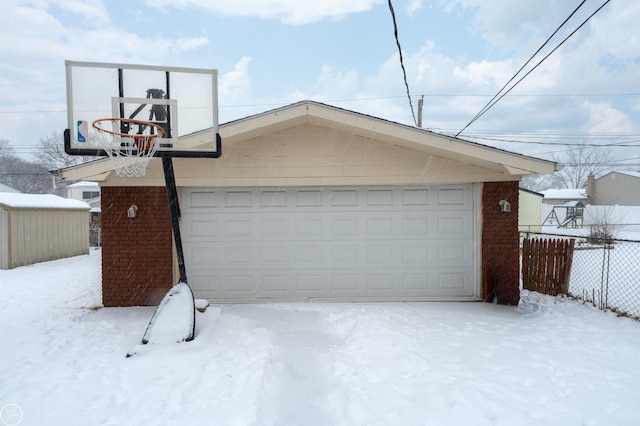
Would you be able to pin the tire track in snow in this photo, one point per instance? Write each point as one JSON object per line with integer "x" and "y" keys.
{"x": 299, "y": 380}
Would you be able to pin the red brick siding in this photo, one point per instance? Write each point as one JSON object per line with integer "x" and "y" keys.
{"x": 500, "y": 243}
{"x": 137, "y": 256}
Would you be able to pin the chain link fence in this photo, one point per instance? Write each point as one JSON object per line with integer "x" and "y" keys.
{"x": 605, "y": 272}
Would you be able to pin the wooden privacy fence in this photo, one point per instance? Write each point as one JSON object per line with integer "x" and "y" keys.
{"x": 546, "y": 265}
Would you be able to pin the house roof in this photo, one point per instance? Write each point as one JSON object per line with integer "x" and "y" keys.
{"x": 354, "y": 123}
{"x": 531, "y": 192}
{"x": 40, "y": 201}
{"x": 627, "y": 173}
{"x": 83, "y": 184}
{"x": 565, "y": 194}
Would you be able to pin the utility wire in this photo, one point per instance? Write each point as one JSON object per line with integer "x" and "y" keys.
{"x": 404, "y": 71}
{"x": 495, "y": 101}
{"x": 488, "y": 105}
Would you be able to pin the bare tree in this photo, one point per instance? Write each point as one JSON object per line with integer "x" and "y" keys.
{"x": 51, "y": 154}
{"x": 583, "y": 160}
{"x": 25, "y": 176}
{"x": 603, "y": 222}
{"x": 6, "y": 150}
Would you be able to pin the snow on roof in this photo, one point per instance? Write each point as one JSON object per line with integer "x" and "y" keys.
{"x": 83, "y": 184}
{"x": 40, "y": 201}
{"x": 565, "y": 194}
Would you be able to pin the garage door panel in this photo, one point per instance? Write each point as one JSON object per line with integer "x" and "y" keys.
{"x": 275, "y": 254}
{"x": 345, "y": 255}
{"x": 312, "y": 285}
{"x": 345, "y": 227}
{"x": 418, "y": 284}
{"x": 238, "y": 198}
{"x": 453, "y": 282}
{"x": 415, "y": 197}
{"x": 380, "y": 197}
{"x": 452, "y": 196}
{"x": 347, "y": 285}
{"x": 453, "y": 225}
{"x": 311, "y": 255}
{"x": 413, "y": 243}
{"x": 308, "y": 198}
{"x": 275, "y": 286}
{"x": 274, "y": 228}
{"x": 382, "y": 285}
{"x": 199, "y": 199}
{"x": 201, "y": 227}
{"x": 415, "y": 226}
{"x": 453, "y": 254}
{"x": 239, "y": 286}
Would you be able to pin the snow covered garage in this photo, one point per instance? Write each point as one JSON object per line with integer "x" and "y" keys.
{"x": 313, "y": 202}
{"x": 40, "y": 227}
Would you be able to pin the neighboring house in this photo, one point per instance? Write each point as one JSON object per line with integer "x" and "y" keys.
{"x": 40, "y": 227}
{"x": 529, "y": 210}
{"x": 615, "y": 188}
{"x": 559, "y": 197}
{"x": 314, "y": 202}
{"x": 89, "y": 192}
{"x": 7, "y": 188}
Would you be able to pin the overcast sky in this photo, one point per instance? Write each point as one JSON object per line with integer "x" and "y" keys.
{"x": 270, "y": 53}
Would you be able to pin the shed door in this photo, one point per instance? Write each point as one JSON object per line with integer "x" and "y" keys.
{"x": 334, "y": 243}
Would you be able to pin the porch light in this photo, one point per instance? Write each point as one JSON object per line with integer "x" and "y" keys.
{"x": 505, "y": 206}
{"x": 132, "y": 211}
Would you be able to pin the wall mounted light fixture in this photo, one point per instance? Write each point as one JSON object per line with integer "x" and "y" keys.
{"x": 132, "y": 211}
{"x": 505, "y": 206}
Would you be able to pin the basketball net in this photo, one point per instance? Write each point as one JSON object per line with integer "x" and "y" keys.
{"x": 130, "y": 153}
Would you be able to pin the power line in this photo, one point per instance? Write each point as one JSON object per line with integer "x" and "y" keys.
{"x": 404, "y": 71}
{"x": 488, "y": 105}
{"x": 494, "y": 101}
{"x": 371, "y": 98}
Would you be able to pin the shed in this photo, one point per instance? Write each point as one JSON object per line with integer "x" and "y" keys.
{"x": 530, "y": 211}
{"x": 312, "y": 202}
{"x": 40, "y": 227}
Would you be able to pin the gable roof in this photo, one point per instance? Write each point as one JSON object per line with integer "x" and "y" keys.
{"x": 627, "y": 173}
{"x": 354, "y": 123}
{"x": 311, "y": 112}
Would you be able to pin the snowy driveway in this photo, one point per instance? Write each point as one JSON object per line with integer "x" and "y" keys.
{"x": 62, "y": 363}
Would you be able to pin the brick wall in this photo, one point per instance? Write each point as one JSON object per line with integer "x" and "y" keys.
{"x": 500, "y": 243}
{"x": 137, "y": 256}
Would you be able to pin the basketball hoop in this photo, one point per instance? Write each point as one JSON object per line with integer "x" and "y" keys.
{"x": 130, "y": 153}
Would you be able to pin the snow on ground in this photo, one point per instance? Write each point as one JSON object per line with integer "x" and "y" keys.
{"x": 551, "y": 361}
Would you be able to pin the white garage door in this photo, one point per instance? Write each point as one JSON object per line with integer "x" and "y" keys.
{"x": 361, "y": 243}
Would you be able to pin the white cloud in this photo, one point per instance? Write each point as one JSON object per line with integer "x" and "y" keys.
{"x": 518, "y": 26}
{"x": 236, "y": 85}
{"x": 604, "y": 118}
{"x": 293, "y": 12}
{"x": 413, "y": 6}
{"x": 334, "y": 84}
{"x": 485, "y": 75}
{"x": 190, "y": 43}
{"x": 92, "y": 11}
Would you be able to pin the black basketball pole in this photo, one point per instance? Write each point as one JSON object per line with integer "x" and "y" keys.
{"x": 174, "y": 210}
